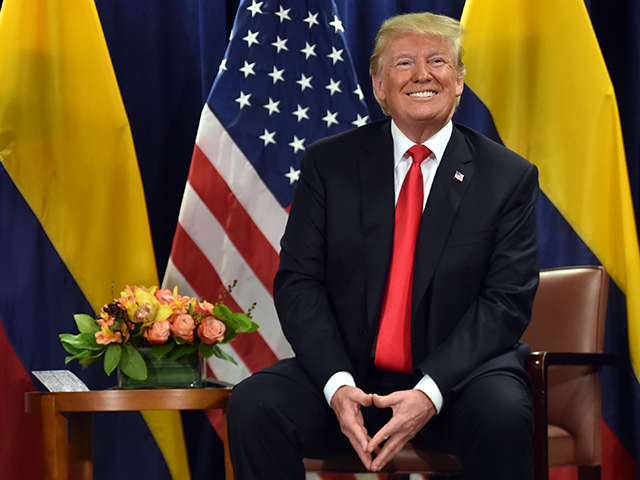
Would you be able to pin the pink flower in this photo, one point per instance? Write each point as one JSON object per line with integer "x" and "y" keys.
{"x": 164, "y": 296}
{"x": 106, "y": 336}
{"x": 211, "y": 330}
{"x": 158, "y": 333}
{"x": 203, "y": 308}
{"x": 183, "y": 327}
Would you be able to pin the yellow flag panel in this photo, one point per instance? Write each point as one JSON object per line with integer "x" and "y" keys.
{"x": 538, "y": 68}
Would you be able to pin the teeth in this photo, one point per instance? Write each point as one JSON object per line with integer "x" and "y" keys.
{"x": 423, "y": 94}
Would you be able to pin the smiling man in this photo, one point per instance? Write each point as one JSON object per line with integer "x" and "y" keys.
{"x": 407, "y": 275}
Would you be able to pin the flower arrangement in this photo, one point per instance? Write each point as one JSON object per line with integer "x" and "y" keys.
{"x": 171, "y": 324}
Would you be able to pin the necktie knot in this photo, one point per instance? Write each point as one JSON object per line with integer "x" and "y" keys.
{"x": 418, "y": 153}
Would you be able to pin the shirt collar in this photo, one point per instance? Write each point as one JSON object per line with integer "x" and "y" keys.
{"x": 437, "y": 143}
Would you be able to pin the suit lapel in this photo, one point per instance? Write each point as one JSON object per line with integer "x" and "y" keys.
{"x": 376, "y": 183}
{"x": 443, "y": 203}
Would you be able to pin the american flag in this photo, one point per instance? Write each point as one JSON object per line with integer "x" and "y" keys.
{"x": 286, "y": 80}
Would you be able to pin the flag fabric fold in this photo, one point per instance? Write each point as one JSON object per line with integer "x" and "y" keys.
{"x": 286, "y": 80}
{"x": 66, "y": 146}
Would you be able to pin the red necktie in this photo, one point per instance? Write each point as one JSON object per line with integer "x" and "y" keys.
{"x": 393, "y": 349}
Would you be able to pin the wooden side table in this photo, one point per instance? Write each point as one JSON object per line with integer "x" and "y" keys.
{"x": 61, "y": 410}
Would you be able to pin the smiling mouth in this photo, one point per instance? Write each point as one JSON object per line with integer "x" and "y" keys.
{"x": 427, "y": 94}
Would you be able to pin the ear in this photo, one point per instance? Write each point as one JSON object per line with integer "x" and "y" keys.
{"x": 459, "y": 86}
{"x": 378, "y": 88}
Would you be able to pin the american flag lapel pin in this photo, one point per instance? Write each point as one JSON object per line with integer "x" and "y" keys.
{"x": 459, "y": 176}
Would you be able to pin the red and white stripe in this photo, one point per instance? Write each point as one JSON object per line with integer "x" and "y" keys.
{"x": 229, "y": 229}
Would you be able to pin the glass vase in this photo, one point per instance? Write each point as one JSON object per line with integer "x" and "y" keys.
{"x": 185, "y": 372}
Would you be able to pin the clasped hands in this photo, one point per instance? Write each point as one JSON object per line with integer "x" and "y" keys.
{"x": 412, "y": 409}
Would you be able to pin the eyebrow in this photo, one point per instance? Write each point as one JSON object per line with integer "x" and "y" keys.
{"x": 411, "y": 55}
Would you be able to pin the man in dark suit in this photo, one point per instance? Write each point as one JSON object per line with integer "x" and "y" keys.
{"x": 351, "y": 253}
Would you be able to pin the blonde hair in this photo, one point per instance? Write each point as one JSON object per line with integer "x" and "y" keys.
{"x": 424, "y": 23}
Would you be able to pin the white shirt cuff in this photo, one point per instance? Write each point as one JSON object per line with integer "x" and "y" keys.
{"x": 336, "y": 381}
{"x": 431, "y": 390}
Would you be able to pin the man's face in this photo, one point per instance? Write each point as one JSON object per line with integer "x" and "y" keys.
{"x": 418, "y": 81}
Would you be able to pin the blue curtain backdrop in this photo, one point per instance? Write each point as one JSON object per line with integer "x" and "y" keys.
{"x": 166, "y": 55}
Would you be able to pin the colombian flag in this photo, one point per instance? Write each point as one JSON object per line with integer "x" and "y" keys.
{"x": 73, "y": 220}
{"x": 538, "y": 68}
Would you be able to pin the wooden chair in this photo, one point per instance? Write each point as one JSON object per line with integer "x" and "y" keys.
{"x": 566, "y": 337}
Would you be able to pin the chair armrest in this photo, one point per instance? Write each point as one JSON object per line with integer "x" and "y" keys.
{"x": 537, "y": 360}
{"x": 537, "y": 365}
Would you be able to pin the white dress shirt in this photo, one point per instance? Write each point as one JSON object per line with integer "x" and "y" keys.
{"x": 437, "y": 144}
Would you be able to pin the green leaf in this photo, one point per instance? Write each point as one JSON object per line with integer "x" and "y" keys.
{"x": 229, "y": 335}
{"x": 244, "y": 323}
{"x": 112, "y": 357}
{"x": 68, "y": 346}
{"x": 132, "y": 364}
{"x": 84, "y": 341}
{"x": 222, "y": 312}
{"x": 86, "y": 324}
{"x": 160, "y": 351}
{"x": 83, "y": 354}
{"x": 85, "y": 362}
{"x": 217, "y": 351}
{"x": 182, "y": 351}
{"x": 205, "y": 350}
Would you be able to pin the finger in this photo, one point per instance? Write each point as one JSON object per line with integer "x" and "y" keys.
{"x": 384, "y": 401}
{"x": 352, "y": 426}
{"x": 391, "y": 447}
{"x": 364, "y": 457}
{"x": 359, "y": 439}
{"x": 381, "y": 436}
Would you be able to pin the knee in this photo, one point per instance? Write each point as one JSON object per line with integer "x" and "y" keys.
{"x": 248, "y": 402}
{"x": 507, "y": 418}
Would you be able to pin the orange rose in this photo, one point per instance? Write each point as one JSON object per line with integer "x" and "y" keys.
{"x": 211, "y": 330}
{"x": 158, "y": 333}
{"x": 183, "y": 327}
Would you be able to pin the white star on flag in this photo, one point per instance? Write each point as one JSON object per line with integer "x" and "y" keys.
{"x": 336, "y": 55}
{"x": 272, "y": 106}
{"x": 337, "y": 24}
{"x": 330, "y": 118}
{"x": 243, "y": 100}
{"x": 304, "y": 82}
{"x": 297, "y": 144}
{"x": 251, "y": 38}
{"x": 255, "y": 8}
{"x": 301, "y": 113}
{"x": 277, "y": 75}
{"x": 312, "y": 19}
{"x": 267, "y": 137}
{"x": 283, "y": 14}
{"x": 309, "y": 50}
{"x": 293, "y": 175}
{"x": 280, "y": 44}
{"x": 360, "y": 120}
{"x": 247, "y": 69}
{"x": 334, "y": 87}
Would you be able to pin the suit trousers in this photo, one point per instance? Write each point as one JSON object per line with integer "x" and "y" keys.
{"x": 278, "y": 416}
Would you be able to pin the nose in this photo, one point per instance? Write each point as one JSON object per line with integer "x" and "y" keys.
{"x": 422, "y": 72}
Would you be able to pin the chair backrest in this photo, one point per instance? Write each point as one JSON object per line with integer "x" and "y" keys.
{"x": 569, "y": 310}
{"x": 569, "y": 314}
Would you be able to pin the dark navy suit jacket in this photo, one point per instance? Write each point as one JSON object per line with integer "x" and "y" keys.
{"x": 476, "y": 262}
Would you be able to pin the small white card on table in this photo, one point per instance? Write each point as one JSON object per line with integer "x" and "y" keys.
{"x": 60, "y": 381}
